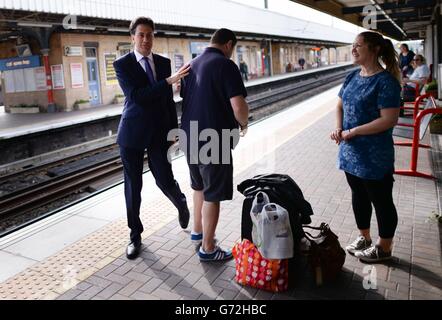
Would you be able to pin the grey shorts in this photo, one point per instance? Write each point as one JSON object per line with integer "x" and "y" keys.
{"x": 215, "y": 180}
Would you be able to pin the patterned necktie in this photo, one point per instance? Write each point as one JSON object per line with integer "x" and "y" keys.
{"x": 149, "y": 71}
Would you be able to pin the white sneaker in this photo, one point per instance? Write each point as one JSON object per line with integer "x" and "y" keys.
{"x": 373, "y": 254}
{"x": 358, "y": 245}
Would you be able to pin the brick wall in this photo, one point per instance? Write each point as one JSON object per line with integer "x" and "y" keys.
{"x": 34, "y": 97}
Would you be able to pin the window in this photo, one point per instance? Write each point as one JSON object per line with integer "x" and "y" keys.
{"x": 91, "y": 52}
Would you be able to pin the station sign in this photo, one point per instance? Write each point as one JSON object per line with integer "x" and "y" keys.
{"x": 70, "y": 51}
{"x": 198, "y": 48}
{"x": 124, "y": 47}
{"x": 19, "y": 63}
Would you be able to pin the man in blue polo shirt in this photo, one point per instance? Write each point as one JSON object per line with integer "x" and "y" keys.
{"x": 213, "y": 102}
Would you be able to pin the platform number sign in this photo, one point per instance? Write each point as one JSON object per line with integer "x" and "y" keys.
{"x": 370, "y": 19}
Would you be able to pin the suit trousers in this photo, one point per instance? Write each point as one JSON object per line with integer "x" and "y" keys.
{"x": 161, "y": 168}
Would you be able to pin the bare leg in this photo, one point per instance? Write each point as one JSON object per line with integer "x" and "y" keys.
{"x": 385, "y": 244}
{"x": 210, "y": 221}
{"x": 198, "y": 200}
{"x": 366, "y": 234}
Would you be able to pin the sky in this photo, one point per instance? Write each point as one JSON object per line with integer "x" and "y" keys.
{"x": 296, "y": 10}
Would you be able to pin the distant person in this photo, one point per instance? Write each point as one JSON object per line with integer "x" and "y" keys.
{"x": 405, "y": 60}
{"x": 214, "y": 99}
{"x": 419, "y": 77}
{"x": 244, "y": 69}
{"x": 289, "y": 67}
{"x": 148, "y": 115}
{"x": 301, "y": 62}
{"x": 367, "y": 111}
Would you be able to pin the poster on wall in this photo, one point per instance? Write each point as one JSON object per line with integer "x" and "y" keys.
{"x": 40, "y": 79}
{"x": 9, "y": 81}
{"x": 77, "y": 75}
{"x": 29, "y": 76}
{"x": 111, "y": 76}
{"x": 179, "y": 61}
{"x": 35, "y": 79}
{"x": 25, "y": 80}
{"x": 57, "y": 77}
{"x": 19, "y": 80}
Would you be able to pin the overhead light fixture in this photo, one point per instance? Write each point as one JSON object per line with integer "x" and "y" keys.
{"x": 34, "y": 24}
{"x": 86, "y": 27}
{"x": 172, "y": 33}
{"x": 118, "y": 30}
{"x": 376, "y": 4}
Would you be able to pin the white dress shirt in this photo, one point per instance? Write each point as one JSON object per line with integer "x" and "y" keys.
{"x": 140, "y": 57}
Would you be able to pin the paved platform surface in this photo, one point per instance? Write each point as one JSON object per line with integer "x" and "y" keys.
{"x": 292, "y": 142}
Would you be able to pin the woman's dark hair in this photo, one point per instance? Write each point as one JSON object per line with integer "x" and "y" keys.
{"x": 385, "y": 51}
{"x": 405, "y": 46}
{"x": 140, "y": 21}
{"x": 222, "y": 36}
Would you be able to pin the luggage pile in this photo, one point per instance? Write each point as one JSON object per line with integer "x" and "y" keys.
{"x": 274, "y": 216}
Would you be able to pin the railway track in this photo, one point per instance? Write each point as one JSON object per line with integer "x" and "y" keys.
{"x": 30, "y": 170}
{"x": 56, "y": 188}
{"x": 64, "y": 179}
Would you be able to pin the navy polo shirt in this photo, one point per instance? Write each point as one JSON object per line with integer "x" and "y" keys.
{"x": 213, "y": 80}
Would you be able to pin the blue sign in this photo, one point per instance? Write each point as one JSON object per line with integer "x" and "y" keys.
{"x": 198, "y": 47}
{"x": 19, "y": 63}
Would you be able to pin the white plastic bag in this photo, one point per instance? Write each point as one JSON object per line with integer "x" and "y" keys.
{"x": 260, "y": 200}
{"x": 272, "y": 233}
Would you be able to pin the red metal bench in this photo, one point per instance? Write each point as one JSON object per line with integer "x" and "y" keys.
{"x": 418, "y": 90}
{"x": 418, "y": 104}
{"x": 416, "y": 131}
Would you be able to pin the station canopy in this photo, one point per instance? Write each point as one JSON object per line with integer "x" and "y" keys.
{"x": 398, "y": 19}
{"x": 190, "y": 18}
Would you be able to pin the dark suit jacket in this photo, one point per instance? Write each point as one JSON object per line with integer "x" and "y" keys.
{"x": 149, "y": 110}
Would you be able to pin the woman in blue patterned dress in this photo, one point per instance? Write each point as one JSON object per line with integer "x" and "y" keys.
{"x": 367, "y": 111}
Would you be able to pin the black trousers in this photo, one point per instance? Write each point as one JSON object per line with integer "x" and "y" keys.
{"x": 161, "y": 170}
{"x": 379, "y": 193}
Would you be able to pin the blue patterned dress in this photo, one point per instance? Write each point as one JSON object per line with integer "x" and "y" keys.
{"x": 371, "y": 156}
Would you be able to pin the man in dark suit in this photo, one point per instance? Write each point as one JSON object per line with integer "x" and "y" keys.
{"x": 149, "y": 114}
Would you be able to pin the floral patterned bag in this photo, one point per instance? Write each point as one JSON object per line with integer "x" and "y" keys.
{"x": 255, "y": 271}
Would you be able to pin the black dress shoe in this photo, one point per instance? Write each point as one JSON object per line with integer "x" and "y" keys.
{"x": 183, "y": 217}
{"x": 133, "y": 250}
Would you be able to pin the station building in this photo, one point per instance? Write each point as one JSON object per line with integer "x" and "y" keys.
{"x": 57, "y": 56}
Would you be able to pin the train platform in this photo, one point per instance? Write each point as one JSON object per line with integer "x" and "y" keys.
{"x": 78, "y": 254}
{"x": 15, "y": 125}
